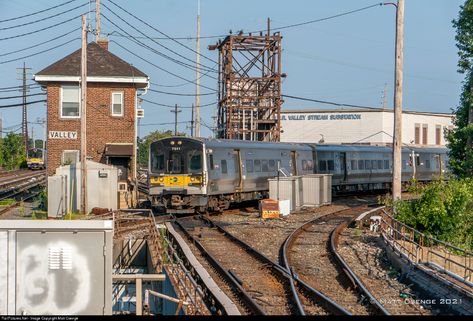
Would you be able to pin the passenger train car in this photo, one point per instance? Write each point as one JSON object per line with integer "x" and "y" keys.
{"x": 36, "y": 158}
{"x": 187, "y": 174}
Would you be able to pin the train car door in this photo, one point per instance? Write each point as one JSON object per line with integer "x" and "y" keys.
{"x": 343, "y": 165}
{"x": 293, "y": 163}
{"x": 238, "y": 182}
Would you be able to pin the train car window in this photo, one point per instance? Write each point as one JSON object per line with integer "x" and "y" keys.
{"x": 249, "y": 166}
{"x": 223, "y": 164}
{"x": 157, "y": 162}
{"x": 380, "y": 164}
{"x": 307, "y": 165}
{"x": 374, "y": 164}
{"x": 437, "y": 162}
{"x": 322, "y": 165}
{"x": 404, "y": 164}
{"x": 264, "y": 166}
{"x": 257, "y": 165}
{"x": 330, "y": 165}
{"x": 176, "y": 163}
{"x": 354, "y": 166}
{"x": 195, "y": 161}
{"x": 342, "y": 165}
{"x": 272, "y": 165}
{"x": 386, "y": 164}
{"x": 361, "y": 164}
{"x": 367, "y": 164}
{"x": 427, "y": 163}
{"x": 211, "y": 162}
{"x": 418, "y": 160}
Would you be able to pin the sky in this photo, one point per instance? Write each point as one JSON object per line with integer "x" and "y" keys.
{"x": 347, "y": 60}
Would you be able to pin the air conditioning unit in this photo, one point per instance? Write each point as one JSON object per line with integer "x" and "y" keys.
{"x": 140, "y": 113}
{"x": 122, "y": 187}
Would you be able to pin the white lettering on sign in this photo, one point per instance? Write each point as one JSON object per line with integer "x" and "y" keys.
{"x": 322, "y": 117}
{"x": 62, "y": 135}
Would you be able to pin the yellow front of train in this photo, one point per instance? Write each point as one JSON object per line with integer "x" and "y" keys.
{"x": 35, "y": 159}
{"x": 176, "y": 173}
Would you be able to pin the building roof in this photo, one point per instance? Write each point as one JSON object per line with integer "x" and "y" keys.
{"x": 101, "y": 63}
{"x": 361, "y": 110}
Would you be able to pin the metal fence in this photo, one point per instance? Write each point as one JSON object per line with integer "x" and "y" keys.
{"x": 421, "y": 249}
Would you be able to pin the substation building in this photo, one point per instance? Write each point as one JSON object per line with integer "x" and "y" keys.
{"x": 369, "y": 126}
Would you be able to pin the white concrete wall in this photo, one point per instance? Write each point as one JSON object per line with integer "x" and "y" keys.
{"x": 356, "y": 127}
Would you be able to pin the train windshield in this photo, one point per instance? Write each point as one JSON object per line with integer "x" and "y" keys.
{"x": 35, "y": 153}
{"x": 169, "y": 157}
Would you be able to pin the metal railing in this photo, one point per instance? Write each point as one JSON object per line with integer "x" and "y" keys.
{"x": 421, "y": 249}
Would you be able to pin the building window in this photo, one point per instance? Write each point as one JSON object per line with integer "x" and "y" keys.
{"x": 438, "y": 134}
{"x": 117, "y": 103}
{"x": 425, "y": 128}
{"x": 417, "y": 134}
{"x": 70, "y": 157}
{"x": 70, "y": 102}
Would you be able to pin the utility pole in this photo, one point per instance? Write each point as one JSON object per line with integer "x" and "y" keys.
{"x": 470, "y": 120}
{"x": 175, "y": 111}
{"x": 385, "y": 95}
{"x": 32, "y": 136}
{"x": 397, "y": 137}
{"x": 192, "y": 121}
{"x": 197, "y": 74}
{"x": 97, "y": 20}
{"x": 83, "y": 119}
{"x": 24, "y": 119}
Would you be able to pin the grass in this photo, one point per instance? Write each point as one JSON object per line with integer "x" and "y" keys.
{"x": 39, "y": 215}
{"x": 74, "y": 216}
{"x": 7, "y": 202}
{"x": 357, "y": 232}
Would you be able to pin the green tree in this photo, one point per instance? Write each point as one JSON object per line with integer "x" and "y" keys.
{"x": 460, "y": 153}
{"x": 143, "y": 144}
{"x": 13, "y": 151}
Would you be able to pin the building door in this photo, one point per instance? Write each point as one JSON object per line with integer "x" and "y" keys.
{"x": 123, "y": 164}
{"x": 238, "y": 182}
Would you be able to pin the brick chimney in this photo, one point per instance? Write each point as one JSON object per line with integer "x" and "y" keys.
{"x": 103, "y": 43}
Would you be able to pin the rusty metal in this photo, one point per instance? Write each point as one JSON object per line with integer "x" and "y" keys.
{"x": 249, "y": 86}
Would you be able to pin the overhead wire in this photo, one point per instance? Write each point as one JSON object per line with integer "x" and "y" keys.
{"x": 28, "y": 103}
{"x": 171, "y": 106}
{"x": 330, "y": 102}
{"x": 156, "y": 66}
{"x": 159, "y": 44}
{"x": 40, "y": 52}
{"x": 37, "y": 12}
{"x": 42, "y": 29}
{"x": 21, "y": 96}
{"x": 43, "y": 19}
{"x": 179, "y": 85}
{"x": 41, "y": 43}
{"x": 179, "y": 94}
{"x": 164, "y": 34}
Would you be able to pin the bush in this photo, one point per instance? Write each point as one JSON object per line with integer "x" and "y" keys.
{"x": 443, "y": 210}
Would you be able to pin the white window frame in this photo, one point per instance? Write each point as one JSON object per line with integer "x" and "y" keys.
{"x": 60, "y": 103}
{"x": 70, "y": 151}
{"x": 122, "y": 103}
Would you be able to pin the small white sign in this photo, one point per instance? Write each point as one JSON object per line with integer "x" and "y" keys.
{"x": 140, "y": 113}
{"x": 62, "y": 135}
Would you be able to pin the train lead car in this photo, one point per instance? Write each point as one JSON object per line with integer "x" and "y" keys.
{"x": 198, "y": 174}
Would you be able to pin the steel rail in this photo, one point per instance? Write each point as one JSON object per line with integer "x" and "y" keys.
{"x": 229, "y": 278}
{"x": 329, "y": 304}
{"x": 356, "y": 281}
{"x": 10, "y": 207}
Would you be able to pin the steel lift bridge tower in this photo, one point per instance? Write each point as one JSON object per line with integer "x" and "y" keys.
{"x": 249, "y": 86}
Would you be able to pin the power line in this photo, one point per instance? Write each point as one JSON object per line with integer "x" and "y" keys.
{"x": 156, "y": 66}
{"x": 330, "y": 102}
{"x": 37, "y": 12}
{"x": 43, "y": 19}
{"x": 178, "y": 94}
{"x": 39, "y": 44}
{"x": 274, "y": 29}
{"x": 15, "y": 87}
{"x": 42, "y": 29}
{"x": 168, "y": 37}
{"x": 30, "y": 95}
{"x": 40, "y": 52}
{"x": 161, "y": 45}
{"x": 160, "y": 124}
{"x": 28, "y": 103}
{"x": 170, "y": 106}
{"x": 183, "y": 84}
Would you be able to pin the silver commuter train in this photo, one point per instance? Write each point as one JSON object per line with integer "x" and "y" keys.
{"x": 187, "y": 174}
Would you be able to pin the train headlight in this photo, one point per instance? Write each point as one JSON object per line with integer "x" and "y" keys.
{"x": 161, "y": 179}
{"x": 192, "y": 179}
{"x": 172, "y": 142}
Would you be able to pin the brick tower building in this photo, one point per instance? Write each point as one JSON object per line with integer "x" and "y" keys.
{"x": 112, "y": 89}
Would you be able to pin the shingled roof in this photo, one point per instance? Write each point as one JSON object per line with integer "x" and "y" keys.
{"x": 100, "y": 63}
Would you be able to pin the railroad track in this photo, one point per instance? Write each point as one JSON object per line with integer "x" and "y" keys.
{"x": 309, "y": 254}
{"x": 9, "y": 181}
{"x": 262, "y": 286}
